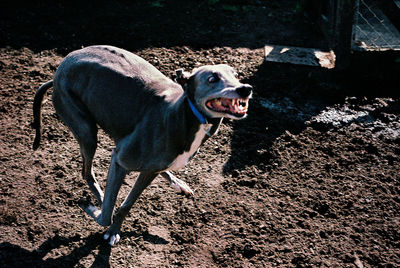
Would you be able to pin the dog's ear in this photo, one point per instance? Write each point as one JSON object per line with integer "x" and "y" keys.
{"x": 182, "y": 77}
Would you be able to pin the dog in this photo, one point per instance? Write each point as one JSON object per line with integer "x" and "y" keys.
{"x": 157, "y": 124}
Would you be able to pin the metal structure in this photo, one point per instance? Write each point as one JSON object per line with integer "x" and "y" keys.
{"x": 372, "y": 30}
{"x": 358, "y": 25}
{"x": 348, "y": 25}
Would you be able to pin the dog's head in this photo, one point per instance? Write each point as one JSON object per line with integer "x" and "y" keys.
{"x": 216, "y": 91}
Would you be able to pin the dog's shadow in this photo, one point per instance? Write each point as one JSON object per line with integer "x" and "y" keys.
{"x": 279, "y": 106}
{"x": 16, "y": 256}
{"x": 286, "y": 96}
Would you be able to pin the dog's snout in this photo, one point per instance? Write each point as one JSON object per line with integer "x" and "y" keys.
{"x": 244, "y": 91}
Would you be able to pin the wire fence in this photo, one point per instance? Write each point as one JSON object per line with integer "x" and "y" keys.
{"x": 372, "y": 29}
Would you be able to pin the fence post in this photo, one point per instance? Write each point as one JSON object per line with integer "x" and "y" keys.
{"x": 340, "y": 37}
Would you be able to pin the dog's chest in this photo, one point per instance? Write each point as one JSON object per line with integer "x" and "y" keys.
{"x": 182, "y": 159}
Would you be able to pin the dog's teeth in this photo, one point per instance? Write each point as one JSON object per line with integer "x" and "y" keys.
{"x": 237, "y": 107}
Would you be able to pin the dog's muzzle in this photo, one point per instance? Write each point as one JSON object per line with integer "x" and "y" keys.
{"x": 235, "y": 106}
{"x": 244, "y": 91}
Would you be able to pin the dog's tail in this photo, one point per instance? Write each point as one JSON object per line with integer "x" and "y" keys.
{"x": 37, "y": 111}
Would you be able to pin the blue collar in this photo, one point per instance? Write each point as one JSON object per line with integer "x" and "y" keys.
{"x": 196, "y": 112}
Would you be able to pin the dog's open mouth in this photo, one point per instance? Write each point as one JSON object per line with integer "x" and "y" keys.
{"x": 236, "y": 107}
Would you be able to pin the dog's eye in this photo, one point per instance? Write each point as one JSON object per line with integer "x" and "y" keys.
{"x": 236, "y": 75}
{"x": 213, "y": 78}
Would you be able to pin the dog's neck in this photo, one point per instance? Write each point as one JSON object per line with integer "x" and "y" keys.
{"x": 184, "y": 119}
{"x": 196, "y": 112}
{"x": 210, "y": 125}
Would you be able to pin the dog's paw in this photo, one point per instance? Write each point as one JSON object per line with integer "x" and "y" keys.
{"x": 112, "y": 236}
{"x": 89, "y": 208}
{"x": 181, "y": 187}
{"x": 94, "y": 212}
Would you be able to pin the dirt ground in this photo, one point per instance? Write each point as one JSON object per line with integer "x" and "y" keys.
{"x": 310, "y": 179}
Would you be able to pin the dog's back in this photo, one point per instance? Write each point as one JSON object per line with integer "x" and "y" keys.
{"x": 117, "y": 87}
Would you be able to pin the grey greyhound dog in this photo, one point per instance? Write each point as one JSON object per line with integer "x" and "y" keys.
{"x": 157, "y": 124}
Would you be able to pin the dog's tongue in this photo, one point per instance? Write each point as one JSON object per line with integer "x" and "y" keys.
{"x": 226, "y": 103}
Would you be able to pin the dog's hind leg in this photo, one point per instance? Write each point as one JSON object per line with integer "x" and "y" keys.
{"x": 87, "y": 151}
{"x": 75, "y": 115}
{"x": 177, "y": 184}
{"x": 113, "y": 233}
{"x": 115, "y": 177}
{"x": 88, "y": 148}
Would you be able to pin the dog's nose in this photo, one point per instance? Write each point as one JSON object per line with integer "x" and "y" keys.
{"x": 244, "y": 91}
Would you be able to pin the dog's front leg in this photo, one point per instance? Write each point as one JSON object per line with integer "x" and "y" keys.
{"x": 113, "y": 233}
{"x": 115, "y": 177}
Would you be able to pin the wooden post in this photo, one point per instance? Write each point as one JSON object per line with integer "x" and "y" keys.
{"x": 341, "y": 29}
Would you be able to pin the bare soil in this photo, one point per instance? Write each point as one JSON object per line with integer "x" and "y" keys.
{"x": 309, "y": 179}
